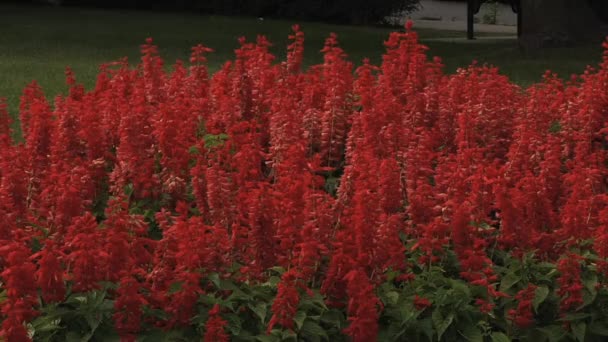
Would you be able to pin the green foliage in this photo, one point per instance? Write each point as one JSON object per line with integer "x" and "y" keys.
{"x": 81, "y": 317}
{"x": 452, "y": 315}
{"x": 215, "y": 140}
{"x": 491, "y": 13}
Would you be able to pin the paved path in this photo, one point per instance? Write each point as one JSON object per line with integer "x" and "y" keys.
{"x": 464, "y": 40}
{"x": 457, "y": 11}
{"x": 450, "y": 15}
{"x": 462, "y": 26}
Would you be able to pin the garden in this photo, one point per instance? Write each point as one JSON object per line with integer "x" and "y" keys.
{"x": 272, "y": 200}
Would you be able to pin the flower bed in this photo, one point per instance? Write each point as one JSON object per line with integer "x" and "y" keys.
{"x": 270, "y": 203}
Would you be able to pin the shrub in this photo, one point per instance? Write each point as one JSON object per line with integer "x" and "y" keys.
{"x": 270, "y": 203}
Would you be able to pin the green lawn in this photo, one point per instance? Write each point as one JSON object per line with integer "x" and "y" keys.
{"x": 39, "y": 42}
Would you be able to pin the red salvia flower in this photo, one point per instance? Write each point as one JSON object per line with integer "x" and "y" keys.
{"x": 362, "y": 308}
{"x": 570, "y": 283}
{"x": 484, "y": 305}
{"x": 21, "y": 292}
{"x": 215, "y": 327}
{"x": 85, "y": 257}
{"x": 285, "y": 304}
{"x": 50, "y": 274}
{"x": 128, "y": 308}
{"x": 523, "y": 315}
{"x": 421, "y": 303}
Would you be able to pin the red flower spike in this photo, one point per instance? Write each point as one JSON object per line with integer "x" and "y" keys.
{"x": 362, "y": 308}
{"x": 215, "y": 327}
{"x": 128, "y": 308}
{"x": 409, "y": 25}
{"x": 285, "y": 305}
{"x": 421, "y": 303}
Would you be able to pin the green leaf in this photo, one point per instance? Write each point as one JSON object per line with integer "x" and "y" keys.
{"x": 238, "y": 296}
{"x": 175, "y": 287}
{"x": 588, "y": 298}
{"x": 262, "y": 293}
{"x": 208, "y": 299}
{"x": 46, "y": 324}
{"x": 227, "y": 284}
{"x": 472, "y": 334}
{"x": 394, "y": 332}
{"x": 540, "y": 294}
{"x": 278, "y": 269}
{"x": 556, "y": 127}
{"x": 213, "y": 140}
{"x": 500, "y": 337}
{"x": 426, "y": 325}
{"x": 312, "y": 330}
{"x": 72, "y": 336}
{"x": 215, "y": 279}
{"x": 579, "y": 330}
{"x": 575, "y": 317}
{"x": 591, "y": 283}
{"x": 98, "y": 298}
{"x": 334, "y": 318}
{"x": 441, "y": 324}
{"x": 77, "y": 300}
{"x": 234, "y": 324}
{"x": 316, "y": 302}
{"x": 392, "y": 297}
{"x": 153, "y": 336}
{"x": 508, "y": 281}
{"x": 590, "y": 294}
{"x": 332, "y": 184}
{"x": 35, "y": 245}
{"x": 299, "y": 319}
{"x": 93, "y": 321}
{"x": 461, "y": 286}
{"x": 156, "y": 313}
{"x": 194, "y": 150}
{"x": 129, "y": 189}
{"x": 260, "y": 310}
{"x": 273, "y": 281}
{"x": 268, "y": 338}
{"x": 288, "y": 335}
{"x": 598, "y": 328}
{"x": 554, "y": 333}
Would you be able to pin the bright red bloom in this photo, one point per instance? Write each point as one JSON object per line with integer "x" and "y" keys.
{"x": 362, "y": 308}
{"x": 180, "y": 305}
{"x": 570, "y": 283}
{"x": 215, "y": 327}
{"x": 484, "y": 305}
{"x": 421, "y": 303}
{"x": 409, "y": 25}
{"x": 85, "y": 257}
{"x": 21, "y": 292}
{"x": 128, "y": 308}
{"x": 285, "y": 305}
{"x": 523, "y": 315}
{"x": 14, "y": 330}
{"x": 50, "y": 274}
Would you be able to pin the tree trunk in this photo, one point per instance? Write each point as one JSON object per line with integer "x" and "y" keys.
{"x": 558, "y": 23}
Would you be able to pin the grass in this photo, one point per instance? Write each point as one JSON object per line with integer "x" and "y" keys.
{"x": 37, "y": 43}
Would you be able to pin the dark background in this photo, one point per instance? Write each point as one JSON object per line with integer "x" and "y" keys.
{"x": 334, "y": 11}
